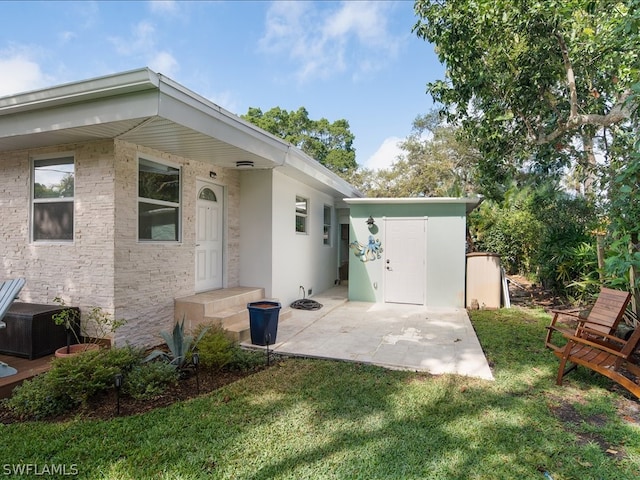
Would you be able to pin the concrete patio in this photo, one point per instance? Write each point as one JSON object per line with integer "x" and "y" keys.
{"x": 407, "y": 337}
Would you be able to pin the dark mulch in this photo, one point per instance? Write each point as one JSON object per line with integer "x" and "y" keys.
{"x": 104, "y": 406}
{"x": 528, "y": 294}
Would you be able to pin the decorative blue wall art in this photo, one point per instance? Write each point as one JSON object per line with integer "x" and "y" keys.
{"x": 368, "y": 252}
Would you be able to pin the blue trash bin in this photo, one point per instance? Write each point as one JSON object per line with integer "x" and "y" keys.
{"x": 263, "y": 322}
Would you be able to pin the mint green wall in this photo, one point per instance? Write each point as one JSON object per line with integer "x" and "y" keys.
{"x": 445, "y": 251}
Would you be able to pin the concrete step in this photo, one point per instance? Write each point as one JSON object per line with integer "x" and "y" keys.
{"x": 194, "y": 308}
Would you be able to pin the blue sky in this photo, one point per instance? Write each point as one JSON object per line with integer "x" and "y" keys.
{"x": 355, "y": 60}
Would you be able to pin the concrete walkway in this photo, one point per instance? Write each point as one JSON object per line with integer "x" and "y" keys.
{"x": 407, "y": 337}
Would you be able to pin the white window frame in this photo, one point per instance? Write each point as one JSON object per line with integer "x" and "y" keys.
{"x": 327, "y": 228}
{"x": 303, "y": 215}
{"x": 60, "y": 157}
{"x": 161, "y": 203}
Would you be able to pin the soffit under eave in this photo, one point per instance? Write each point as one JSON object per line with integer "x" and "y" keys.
{"x": 119, "y": 117}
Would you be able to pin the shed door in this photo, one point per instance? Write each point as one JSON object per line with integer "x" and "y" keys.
{"x": 209, "y": 236}
{"x": 404, "y": 260}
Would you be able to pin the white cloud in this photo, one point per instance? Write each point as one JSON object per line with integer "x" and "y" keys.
{"x": 165, "y": 63}
{"x": 226, "y": 100}
{"x": 19, "y": 73}
{"x": 386, "y": 155}
{"x": 142, "y": 39}
{"x": 326, "y": 41}
{"x": 67, "y": 36}
{"x": 142, "y": 43}
{"x": 164, "y": 6}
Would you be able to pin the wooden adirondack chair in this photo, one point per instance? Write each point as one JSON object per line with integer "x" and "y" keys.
{"x": 614, "y": 363}
{"x": 601, "y": 322}
{"x": 9, "y": 290}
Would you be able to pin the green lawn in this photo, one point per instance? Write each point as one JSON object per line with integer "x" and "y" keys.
{"x": 323, "y": 419}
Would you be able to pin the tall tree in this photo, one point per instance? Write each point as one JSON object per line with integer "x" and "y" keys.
{"x": 331, "y": 144}
{"x": 433, "y": 162}
{"x": 544, "y": 83}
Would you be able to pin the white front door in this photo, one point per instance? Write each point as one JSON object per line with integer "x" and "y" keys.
{"x": 209, "y": 241}
{"x": 404, "y": 260}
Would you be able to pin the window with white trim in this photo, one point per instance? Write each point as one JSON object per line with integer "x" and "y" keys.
{"x": 53, "y": 188}
{"x": 326, "y": 234}
{"x": 302, "y": 209}
{"x": 158, "y": 201}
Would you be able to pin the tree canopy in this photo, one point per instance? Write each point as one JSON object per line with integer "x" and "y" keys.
{"x": 331, "y": 144}
{"x": 540, "y": 83}
{"x": 433, "y": 162}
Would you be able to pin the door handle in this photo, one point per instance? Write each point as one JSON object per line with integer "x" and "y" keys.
{"x": 197, "y": 244}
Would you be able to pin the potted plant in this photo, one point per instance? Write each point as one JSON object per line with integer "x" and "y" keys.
{"x": 101, "y": 322}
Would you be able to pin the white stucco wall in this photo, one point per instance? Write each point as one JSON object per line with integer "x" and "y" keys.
{"x": 256, "y": 239}
{"x": 301, "y": 259}
{"x": 272, "y": 254}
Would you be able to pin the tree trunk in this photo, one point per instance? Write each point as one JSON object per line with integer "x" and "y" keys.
{"x": 590, "y": 164}
{"x": 633, "y": 274}
{"x": 600, "y": 250}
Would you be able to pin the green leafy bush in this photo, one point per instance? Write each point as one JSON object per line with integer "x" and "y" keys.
{"x": 38, "y": 398}
{"x": 543, "y": 233}
{"x": 215, "y": 348}
{"x": 71, "y": 382}
{"x": 148, "y": 380}
{"x": 244, "y": 360}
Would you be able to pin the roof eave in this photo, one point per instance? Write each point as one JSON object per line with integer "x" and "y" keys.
{"x": 130, "y": 102}
{"x": 470, "y": 202}
{"x": 92, "y": 89}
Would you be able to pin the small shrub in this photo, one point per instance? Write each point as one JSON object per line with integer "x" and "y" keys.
{"x": 38, "y": 398}
{"x": 215, "y": 348}
{"x": 97, "y": 324}
{"x": 150, "y": 379}
{"x": 243, "y": 360}
{"x": 71, "y": 382}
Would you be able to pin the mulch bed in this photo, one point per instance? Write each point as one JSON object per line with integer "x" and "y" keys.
{"x": 524, "y": 293}
{"x": 104, "y": 406}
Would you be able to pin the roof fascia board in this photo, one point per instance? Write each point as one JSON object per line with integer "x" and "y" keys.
{"x": 209, "y": 122}
{"x": 309, "y": 167}
{"x": 471, "y": 202}
{"x": 187, "y": 108}
{"x": 141, "y": 94}
{"x": 87, "y": 90}
{"x": 142, "y": 104}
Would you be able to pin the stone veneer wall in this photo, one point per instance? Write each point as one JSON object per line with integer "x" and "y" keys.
{"x": 82, "y": 271}
{"x": 105, "y": 265}
{"x": 149, "y": 276}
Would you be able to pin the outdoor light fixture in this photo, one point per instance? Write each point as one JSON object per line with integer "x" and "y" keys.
{"x": 117, "y": 381}
{"x": 244, "y": 164}
{"x": 370, "y": 221}
{"x": 195, "y": 359}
